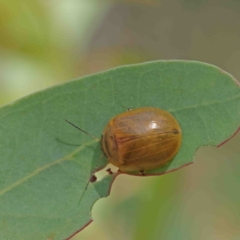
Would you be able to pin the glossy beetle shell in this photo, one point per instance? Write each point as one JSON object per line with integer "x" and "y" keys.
{"x": 141, "y": 139}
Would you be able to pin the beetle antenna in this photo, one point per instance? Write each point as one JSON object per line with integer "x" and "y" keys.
{"x": 81, "y": 130}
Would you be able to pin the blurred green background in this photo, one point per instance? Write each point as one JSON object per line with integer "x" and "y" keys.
{"x": 43, "y": 43}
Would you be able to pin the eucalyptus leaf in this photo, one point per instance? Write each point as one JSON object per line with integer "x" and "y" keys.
{"x": 45, "y": 163}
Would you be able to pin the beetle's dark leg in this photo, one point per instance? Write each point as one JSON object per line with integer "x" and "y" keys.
{"x": 93, "y": 178}
{"x": 109, "y": 171}
{"x": 142, "y": 172}
{"x": 119, "y": 171}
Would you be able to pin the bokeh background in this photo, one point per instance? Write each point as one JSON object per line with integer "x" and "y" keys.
{"x": 43, "y": 43}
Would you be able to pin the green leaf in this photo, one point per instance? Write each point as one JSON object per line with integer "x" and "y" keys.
{"x": 45, "y": 164}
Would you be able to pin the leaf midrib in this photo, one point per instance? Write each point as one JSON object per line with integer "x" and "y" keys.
{"x": 37, "y": 171}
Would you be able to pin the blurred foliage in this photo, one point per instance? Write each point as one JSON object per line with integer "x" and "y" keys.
{"x": 41, "y": 42}
{"x": 46, "y": 42}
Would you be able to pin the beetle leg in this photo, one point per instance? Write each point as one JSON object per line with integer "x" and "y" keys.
{"x": 93, "y": 178}
{"x": 109, "y": 171}
{"x": 142, "y": 172}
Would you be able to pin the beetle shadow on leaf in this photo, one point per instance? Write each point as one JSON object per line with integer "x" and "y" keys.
{"x": 98, "y": 160}
{"x": 67, "y": 143}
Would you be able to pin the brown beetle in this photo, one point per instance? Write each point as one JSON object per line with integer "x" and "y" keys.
{"x": 141, "y": 139}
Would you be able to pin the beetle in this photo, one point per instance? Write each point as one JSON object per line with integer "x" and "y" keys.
{"x": 141, "y": 139}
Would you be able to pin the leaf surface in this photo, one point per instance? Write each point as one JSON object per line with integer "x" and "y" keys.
{"x": 45, "y": 163}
